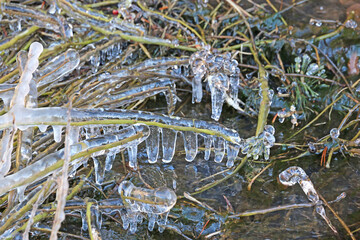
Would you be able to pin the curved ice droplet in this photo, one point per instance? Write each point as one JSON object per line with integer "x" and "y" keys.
{"x": 293, "y": 175}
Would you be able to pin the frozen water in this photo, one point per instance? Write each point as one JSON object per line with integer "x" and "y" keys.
{"x": 294, "y": 175}
{"x": 190, "y": 145}
{"x": 219, "y": 148}
{"x": 156, "y": 203}
{"x": 152, "y": 144}
{"x": 208, "y": 139}
{"x": 232, "y": 152}
{"x": 58, "y": 67}
{"x": 132, "y": 152}
{"x": 222, "y": 75}
{"x": 57, "y": 129}
{"x": 312, "y": 69}
{"x": 334, "y": 133}
{"x": 168, "y": 144}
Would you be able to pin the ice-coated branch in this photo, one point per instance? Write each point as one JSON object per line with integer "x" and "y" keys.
{"x": 294, "y": 175}
{"x": 18, "y": 103}
{"x": 57, "y": 67}
{"x": 23, "y": 88}
{"x": 54, "y": 161}
{"x": 38, "y": 18}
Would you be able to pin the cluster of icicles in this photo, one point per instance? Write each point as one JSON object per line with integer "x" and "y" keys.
{"x": 221, "y": 73}
{"x": 133, "y": 205}
{"x": 124, "y": 128}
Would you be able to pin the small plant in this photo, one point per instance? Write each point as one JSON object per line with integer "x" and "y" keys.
{"x": 305, "y": 89}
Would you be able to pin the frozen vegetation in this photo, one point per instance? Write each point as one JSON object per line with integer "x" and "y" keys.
{"x": 104, "y": 103}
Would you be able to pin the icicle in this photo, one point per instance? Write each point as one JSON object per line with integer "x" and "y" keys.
{"x": 232, "y": 152}
{"x": 132, "y": 152}
{"x": 219, "y": 148}
{"x": 21, "y": 193}
{"x": 99, "y": 171}
{"x": 24, "y": 176}
{"x": 152, "y": 220}
{"x": 6, "y": 148}
{"x": 57, "y": 129}
{"x": 110, "y": 157}
{"x": 208, "y": 140}
{"x": 42, "y": 128}
{"x": 152, "y": 144}
{"x": 168, "y": 144}
{"x": 190, "y": 145}
{"x": 197, "y": 91}
{"x": 217, "y": 84}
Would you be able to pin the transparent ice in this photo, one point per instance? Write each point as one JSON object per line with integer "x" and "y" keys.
{"x": 294, "y": 175}
{"x": 156, "y": 203}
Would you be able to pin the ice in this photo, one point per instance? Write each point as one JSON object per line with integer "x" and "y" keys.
{"x": 312, "y": 69}
{"x": 269, "y": 140}
{"x": 132, "y": 153}
{"x": 57, "y": 129}
{"x": 99, "y": 171}
{"x": 199, "y": 73}
{"x": 334, "y": 133}
{"x": 21, "y": 193}
{"x": 270, "y": 129}
{"x": 110, "y": 158}
{"x": 208, "y": 140}
{"x": 294, "y": 175}
{"x": 25, "y": 148}
{"x": 217, "y": 94}
{"x": 222, "y": 75}
{"x": 256, "y": 146}
{"x": 168, "y": 144}
{"x": 190, "y": 145}
{"x": 152, "y": 144}
{"x": 351, "y": 24}
{"x": 298, "y": 64}
{"x": 57, "y": 67}
{"x": 24, "y": 176}
{"x": 219, "y": 148}
{"x": 23, "y": 88}
{"x": 156, "y": 203}
{"x": 6, "y": 148}
{"x": 282, "y": 114}
{"x": 232, "y": 151}
{"x": 36, "y": 17}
